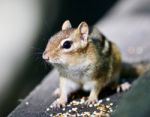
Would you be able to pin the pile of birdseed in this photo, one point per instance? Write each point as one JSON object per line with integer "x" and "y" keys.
{"x": 77, "y": 108}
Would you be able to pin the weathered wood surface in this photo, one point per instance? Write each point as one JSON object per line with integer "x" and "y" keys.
{"x": 39, "y": 100}
{"x": 36, "y": 103}
{"x": 127, "y": 25}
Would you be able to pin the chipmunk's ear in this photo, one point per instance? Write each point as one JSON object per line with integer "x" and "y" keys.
{"x": 66, "y": 25}
{"x": 83, "y": 30}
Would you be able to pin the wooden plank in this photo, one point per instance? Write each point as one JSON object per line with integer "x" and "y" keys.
{"x": 36, "y": 104}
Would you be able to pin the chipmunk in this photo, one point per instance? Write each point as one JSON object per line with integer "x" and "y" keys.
{"x": 84, "y": 58}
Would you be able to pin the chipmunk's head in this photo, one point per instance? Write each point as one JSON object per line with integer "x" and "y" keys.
{"x": 68, "y": 45}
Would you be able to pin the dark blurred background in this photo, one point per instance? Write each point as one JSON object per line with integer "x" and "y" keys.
{"x": 25, "y": 27}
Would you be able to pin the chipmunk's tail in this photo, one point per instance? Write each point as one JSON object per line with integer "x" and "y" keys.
{"x": 134, "y": 69}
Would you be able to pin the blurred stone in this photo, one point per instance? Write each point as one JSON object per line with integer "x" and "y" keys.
{"x": 128, "y": 25}
{"x": 21, "y": 22}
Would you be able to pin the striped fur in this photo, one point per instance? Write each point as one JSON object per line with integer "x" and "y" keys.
{"x": 90, "y": 63}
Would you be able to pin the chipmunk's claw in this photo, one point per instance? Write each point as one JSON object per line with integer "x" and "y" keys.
{"x": 58, "y": 103}
{"x": 91, "y": 101}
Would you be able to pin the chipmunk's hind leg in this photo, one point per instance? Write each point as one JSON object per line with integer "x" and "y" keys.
{"x": 123, "y": 87}
{"x": 116, "y": 85}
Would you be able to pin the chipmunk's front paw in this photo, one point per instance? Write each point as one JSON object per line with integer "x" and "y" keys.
{"x": 56, "y": 92}
{"x": 91, "y": 101}
{"x": 58, "y": 103}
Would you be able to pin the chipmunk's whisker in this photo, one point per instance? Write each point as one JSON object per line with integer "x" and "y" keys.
{"x": 38, "y": 53}
{"x": 35, "y": 48}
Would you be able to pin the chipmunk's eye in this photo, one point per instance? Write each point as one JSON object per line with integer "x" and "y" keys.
{"x": 67, "y": 44}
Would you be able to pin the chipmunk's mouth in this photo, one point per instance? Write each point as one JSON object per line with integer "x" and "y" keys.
{"x": 51, "y": 61}
{"x": 48, "y": 59}
{"x": 54, "y": 61}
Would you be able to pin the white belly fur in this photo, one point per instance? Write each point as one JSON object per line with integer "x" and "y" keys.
{"x": 81, "y": 75}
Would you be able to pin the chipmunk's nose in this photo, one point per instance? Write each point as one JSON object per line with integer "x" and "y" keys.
{"x": 45, "y": 56}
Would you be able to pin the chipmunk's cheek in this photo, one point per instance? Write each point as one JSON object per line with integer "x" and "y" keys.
{"x": 63, "y": 60}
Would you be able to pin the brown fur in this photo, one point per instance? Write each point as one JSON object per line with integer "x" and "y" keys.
{"x": 91, "y": 57}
